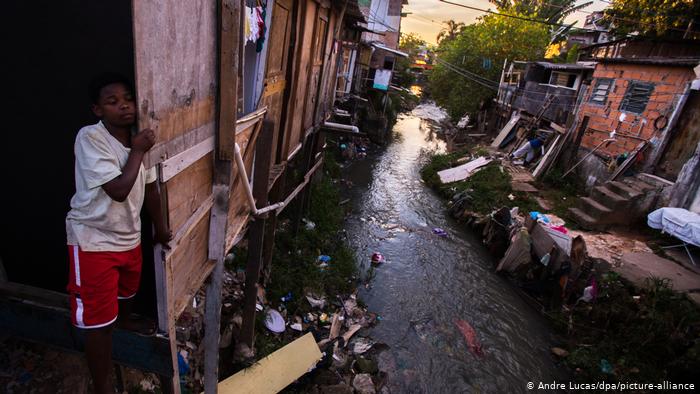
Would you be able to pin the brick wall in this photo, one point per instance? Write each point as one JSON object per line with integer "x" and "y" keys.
{"x": 669, "y": 84}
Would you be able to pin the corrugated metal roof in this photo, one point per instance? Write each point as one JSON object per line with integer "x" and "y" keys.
{"x": 683, "y": 62}
{"x": 567, "y": 66}
{"x": 394, "y": 51}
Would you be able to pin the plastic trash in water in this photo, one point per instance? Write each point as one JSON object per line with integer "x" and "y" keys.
{"x": 605, "y": 366}
{"x": 439, "y": 232}
{"x": 324, "y": 258}
{"x": 377, "y": 258}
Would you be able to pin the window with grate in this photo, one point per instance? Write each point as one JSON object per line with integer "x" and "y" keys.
{"x": 603, "y": 86}
{"x": 637, "y": 97}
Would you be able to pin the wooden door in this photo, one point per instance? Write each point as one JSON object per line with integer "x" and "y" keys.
{"x": 319, "y": 45}
{"x": 300, "y": 86}
{"x": 276, "y": 68}
{"x": 684, "y": 140}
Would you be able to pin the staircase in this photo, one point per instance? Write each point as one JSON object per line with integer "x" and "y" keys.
{"x": 619, "y": 203}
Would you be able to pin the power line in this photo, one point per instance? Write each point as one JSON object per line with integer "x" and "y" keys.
{"x": 636, "y": 22}
{"x": 520, "y": 17}
{"x": 459, "y": 70}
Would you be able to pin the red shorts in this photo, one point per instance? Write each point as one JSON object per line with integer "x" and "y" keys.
{"x": 97, "y": 280}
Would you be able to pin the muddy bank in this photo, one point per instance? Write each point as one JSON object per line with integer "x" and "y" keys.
{"x": 611, "y": 329}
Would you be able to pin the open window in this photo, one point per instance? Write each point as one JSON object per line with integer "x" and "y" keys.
{"x": 561, "y": 79}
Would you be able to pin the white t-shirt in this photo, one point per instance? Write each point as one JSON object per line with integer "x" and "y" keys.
{"x": 96, "y": 222}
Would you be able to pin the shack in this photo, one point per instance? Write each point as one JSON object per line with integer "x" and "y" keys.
{"x": 223, "y": 106}
{"x": 639, "y": 118}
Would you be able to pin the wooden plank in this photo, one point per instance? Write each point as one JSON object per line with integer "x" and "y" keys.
{"x": 281, "y": 31}
{"x": 300, "y": 87}
{"x": 506, "y": 130}
{"x": 188, "y": 190}
{"x": 190, "y": 224}
{"x": 301, "y": 186}
{"x": 20, "y": 318}
{"x": 173, "y": 166}
{"x": 256, "y": 236}
{"x": 276, "y": 371}
{"x": 179, "y": 144}
{"x": 189, "y": 266}
{"x": 249, "y": 120}
{"x": 229, "y": 53}
{"x": 34, "y": 295}
{"x": 544, "y": 162}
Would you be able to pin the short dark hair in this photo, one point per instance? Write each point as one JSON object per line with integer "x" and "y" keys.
{"x": 98, "y": 82}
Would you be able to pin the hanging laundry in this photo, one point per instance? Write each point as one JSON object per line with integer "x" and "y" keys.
{"x": 251, "y": 25}
{"x": 261, "y": 12}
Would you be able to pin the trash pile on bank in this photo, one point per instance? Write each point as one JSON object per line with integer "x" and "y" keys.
{"x": 611, "y": 328}
{"x": 338, "y": 323}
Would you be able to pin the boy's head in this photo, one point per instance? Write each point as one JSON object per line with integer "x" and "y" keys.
{"x": 113, "y": 99}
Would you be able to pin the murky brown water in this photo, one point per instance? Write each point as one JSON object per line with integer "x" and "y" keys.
{"x": 429, "y": 282}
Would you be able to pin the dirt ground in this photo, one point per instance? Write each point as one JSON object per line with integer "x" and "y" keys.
{"x": 36, "y": 369}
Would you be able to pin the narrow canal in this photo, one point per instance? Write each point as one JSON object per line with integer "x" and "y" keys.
{"x": 429, "y": 283}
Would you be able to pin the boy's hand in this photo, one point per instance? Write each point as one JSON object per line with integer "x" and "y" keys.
{"x": 143, "y": 141}
{"x": 164, "y": 237}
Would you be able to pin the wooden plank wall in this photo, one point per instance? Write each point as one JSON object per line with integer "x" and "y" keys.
{"x": 239, "y": 211}
{"x": 300, "y": 83}
{"x": 175, "y": 45}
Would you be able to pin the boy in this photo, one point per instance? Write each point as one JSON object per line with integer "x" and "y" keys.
{"x": 103, "y": 226}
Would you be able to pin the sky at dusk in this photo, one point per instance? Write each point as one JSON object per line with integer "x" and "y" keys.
{"x": 426, "y": 15}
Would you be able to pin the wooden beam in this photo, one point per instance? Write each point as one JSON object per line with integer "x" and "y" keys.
{"x": 256, "y": 233}
{"x": 179, "y": 144}
{"x": 19, "y": 318}
{"x": 252, "y": 118}
{"x": 299, "y": 188}
{"x": 229, "y": 45}
{"x": 173, "y": 166}
{"x": 229, "y": 61}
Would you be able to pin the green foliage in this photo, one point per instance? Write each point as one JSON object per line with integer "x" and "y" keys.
{"x": 655, "y": 18}
{"x": 572, "y": 54}
{"x": 553, "y": 11}
{"x": 494, "y": 38}
{"x": 295, "y": 267}
{"x": 640, "y": 332}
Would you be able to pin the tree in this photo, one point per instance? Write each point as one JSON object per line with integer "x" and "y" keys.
{"x": 489, "y": 41}
{"x": 552, "y": 11}
{"x": 450, "y": 31}
{"x": 412, "y": 44}
{"x": 655, "y": 18}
